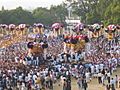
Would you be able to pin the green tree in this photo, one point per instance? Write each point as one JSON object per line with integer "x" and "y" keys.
{"x": 16, "y": 16}
{"x": 43, "y": 15}
{"x": 112, "y": 13}
{"x": 85, "y": 8}
{"x": 93, "y": 11}
{"x": 60, "y": 12}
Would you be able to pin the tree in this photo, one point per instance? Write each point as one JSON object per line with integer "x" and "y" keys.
{"x": 93, "y": 11}
{"x": 50, "y": 16}
{"x": 84, "y": 8}
{"x": 60, "y": 12}
{"x": 16, "y": 16}
{"x": 43, "y": 15}
{"x": 90, "y": 11}
{"x": 112, "y": 13}
{"x": 21, "y": 16}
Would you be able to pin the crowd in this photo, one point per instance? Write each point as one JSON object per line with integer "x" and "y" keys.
{"x": 17, "y": 70}
{"x": 104, "y": 59}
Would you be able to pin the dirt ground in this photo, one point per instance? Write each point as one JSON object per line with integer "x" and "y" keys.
{"x": 93, "y": 85}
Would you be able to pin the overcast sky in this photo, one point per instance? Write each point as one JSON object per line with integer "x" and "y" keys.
{"x": 28, "y": 4}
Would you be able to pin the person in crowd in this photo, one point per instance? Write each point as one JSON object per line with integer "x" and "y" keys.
{"x": 108, "y": 76}
{"x": 112, "y": 83}
{"x": 99, "y": 77}
{"x": 64, "y": 84}
{"x": 79, "y": 82}
{"x": 85, "y": 85}
{"x": 116, "y": 81}
{"x": 107, "y": 87}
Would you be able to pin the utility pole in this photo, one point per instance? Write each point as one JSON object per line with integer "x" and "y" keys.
{"x": 69, "y": 8}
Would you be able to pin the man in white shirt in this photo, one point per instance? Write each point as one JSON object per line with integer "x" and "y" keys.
{"x": 87, "y": 75}
{"x": 34, "y": 77}
{"x": 16, "y": 59}
{"x": 37, "y": 61}
{"x": 97, "y": 68}
{"x": 92, "y": 69}
{"x": 112, "y": 83}
{"x": 101, "y": 66}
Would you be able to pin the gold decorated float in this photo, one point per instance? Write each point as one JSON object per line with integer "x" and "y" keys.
{"x": 38, "y": 28}
{"x": 110, "y": 30}
{"x": 74, "y": 43}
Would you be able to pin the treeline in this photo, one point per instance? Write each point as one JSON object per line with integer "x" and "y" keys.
{"x": 38, "y": 15}
{"x": 90, "y": 11}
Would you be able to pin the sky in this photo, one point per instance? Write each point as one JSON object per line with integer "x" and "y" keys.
{"x": 28, "y": 4}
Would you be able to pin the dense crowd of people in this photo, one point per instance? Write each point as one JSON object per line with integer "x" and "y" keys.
{"x": 23, "y": 72}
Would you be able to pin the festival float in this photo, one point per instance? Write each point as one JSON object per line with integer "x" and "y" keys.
{"x": 38, "y": 32}
{"x": 37, "y": 43}
{"x": 37, "y": 48}
{"x": 3, "y": 29}
{"x": 95, "y": 29}
{"x": 22, "y": 29}
{"x": 12, "y": 34}
{"x": 75, "y": 43}
{"x": 11, "y": 29}
{"x": 38, "y": 28}
{"x": 8, "y": 40}
{"x": 57, "y": 29}
{"x": 110, "y": 30}
{"x": 78, "y": 28}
